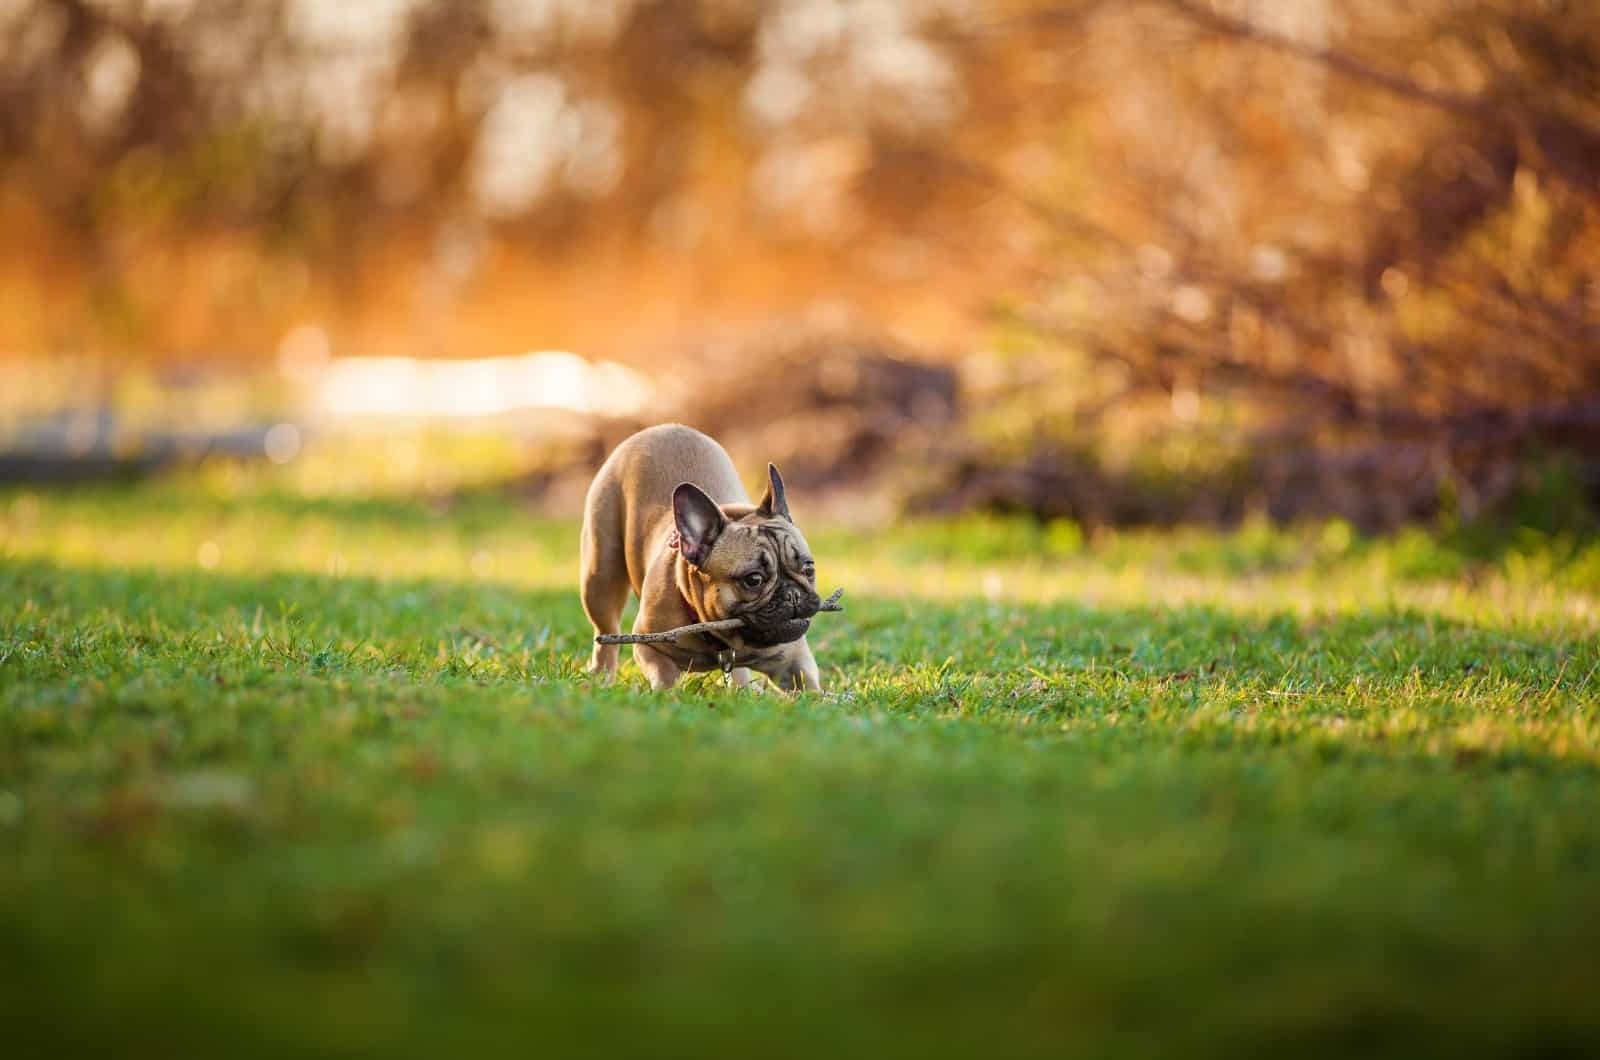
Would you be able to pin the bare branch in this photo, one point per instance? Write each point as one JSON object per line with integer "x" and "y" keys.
{"x": 1338, "y": 62}
{"x": 721, "y": 625}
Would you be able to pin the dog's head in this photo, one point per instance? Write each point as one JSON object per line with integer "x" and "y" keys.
{"x": 746, "y": 562}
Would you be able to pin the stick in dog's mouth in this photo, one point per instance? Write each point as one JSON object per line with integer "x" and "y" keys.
{"x": 720, "y": 625}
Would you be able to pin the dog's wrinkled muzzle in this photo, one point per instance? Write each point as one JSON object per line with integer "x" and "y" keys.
{"x": 784, "y": 617}
{"x": 802, "y": 601}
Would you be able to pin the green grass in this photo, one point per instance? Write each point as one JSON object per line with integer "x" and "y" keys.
{"x": 285, "y": 776}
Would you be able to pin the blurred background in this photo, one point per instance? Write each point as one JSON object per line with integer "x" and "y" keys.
{"x": 1135, "y": 262}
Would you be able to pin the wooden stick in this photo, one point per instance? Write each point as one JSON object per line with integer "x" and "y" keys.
{"x": 830, "y": 604}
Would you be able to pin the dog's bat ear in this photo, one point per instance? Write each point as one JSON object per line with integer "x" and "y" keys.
{"x": 699, "y": 522}
{"x": 773, "y": 502}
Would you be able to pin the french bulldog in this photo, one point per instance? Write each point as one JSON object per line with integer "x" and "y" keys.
{"x": 667, "y": 517}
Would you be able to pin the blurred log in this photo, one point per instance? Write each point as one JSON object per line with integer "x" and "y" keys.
{"x": 833, "y": 408}
{"x": 59, "y": 452}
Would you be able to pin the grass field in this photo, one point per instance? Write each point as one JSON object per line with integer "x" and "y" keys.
{"x": 285, "y": 776}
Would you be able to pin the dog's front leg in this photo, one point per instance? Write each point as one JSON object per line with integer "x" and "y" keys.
{"x": 662, "y": 671}
{"x": 796, "y": 670}
{"x": 806, "y": 672}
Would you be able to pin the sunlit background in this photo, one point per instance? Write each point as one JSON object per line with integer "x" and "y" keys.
{"x": 1197, "y": 401}
{"x": 1110, "y": 262}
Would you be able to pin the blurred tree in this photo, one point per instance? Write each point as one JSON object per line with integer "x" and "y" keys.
{"x": 1331, "y": 250}
{"x": 384, "y": 151}
{"x": 1352, "y": 246}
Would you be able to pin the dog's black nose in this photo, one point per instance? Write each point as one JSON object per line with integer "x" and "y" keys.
{"x": 802, "y": 601}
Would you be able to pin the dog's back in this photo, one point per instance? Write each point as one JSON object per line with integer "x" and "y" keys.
{"x": 629, "y": 508}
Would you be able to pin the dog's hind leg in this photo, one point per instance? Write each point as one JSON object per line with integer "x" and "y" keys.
{"x": 603, "y": 586}
{"x": 603, "y": 600}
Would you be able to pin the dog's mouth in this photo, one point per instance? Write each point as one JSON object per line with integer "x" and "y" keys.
{"x": 769, "y": 634}
{"x": 784, "y": 617}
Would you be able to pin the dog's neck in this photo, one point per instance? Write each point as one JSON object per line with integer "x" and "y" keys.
{"x": 687, "y": 586}
{"x": 684, "y": 581}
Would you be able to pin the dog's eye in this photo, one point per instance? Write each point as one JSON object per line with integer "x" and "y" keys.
{"x": 810, "y": 570}
{"x": 753, "y": 581}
